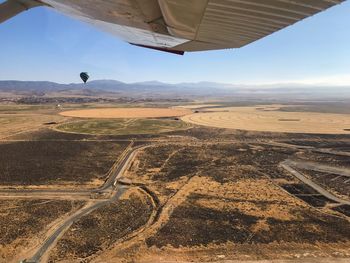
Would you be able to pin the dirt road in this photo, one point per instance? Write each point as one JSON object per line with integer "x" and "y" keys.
{"x": 287, "y": 166}
{"x": 320, "y": 168}
{"x": 110, "y": 187}
{"x": 53, "y": 238}
{"x": 45, "y": 194}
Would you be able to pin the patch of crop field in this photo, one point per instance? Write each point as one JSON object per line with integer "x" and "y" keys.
{"x": 117, "y": 113}
{"x": 267, "y": 119}
{"x": 16, "y": 123}
{"x": 337, "y": 107}
{"x": 47, "y": 134}
{"x": 102, "y": 228}
{"x": 8, "y": 109}
{"x": 124, "y": 126}
{"x": 71, "y": 163}
{"x": 289, "y": 120}
{"x": 23, "y": 221}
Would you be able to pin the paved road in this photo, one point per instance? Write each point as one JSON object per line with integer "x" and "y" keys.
{"x": 287, "y": 166}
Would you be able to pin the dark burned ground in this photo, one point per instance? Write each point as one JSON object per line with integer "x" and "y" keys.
{"x": 237, "y": 198}
{"x": 301, "y": 189}
{"x": 344, "y": 209}
{"x": 50, "y": 162}
{"x": 316, "y": 200}
{"x": 24, "y": 219}
{"x": 217, "y": 134}
{"x": 307, "y": 194}
{"x": 193, "y": 225}
{"x": 339, "y": 185}
{"x": 324, "y": 158}
{"x": 338, "y": 144}
{"x": 220, "y": 194}
{"x": 103, "y": 227}
{"x": 223, "y": 162}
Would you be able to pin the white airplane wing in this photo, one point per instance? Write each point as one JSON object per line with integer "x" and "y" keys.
{"x": 182, "y": 25}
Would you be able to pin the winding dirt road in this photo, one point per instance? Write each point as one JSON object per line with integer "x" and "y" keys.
{"x": 111, "y": 191}
{"x": 53, "y": 238}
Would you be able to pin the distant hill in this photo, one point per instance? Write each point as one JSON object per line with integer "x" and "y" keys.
{"x": 100, "y": 87}
{"x": 15, "y": 85}
{"x": 156, "y": 89}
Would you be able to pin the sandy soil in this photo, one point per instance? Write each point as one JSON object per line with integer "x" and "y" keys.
{"x": 268, "y": 119}
{"x": 126, "y": 113}
{"x": 196, "y": 106}
{"x": 11, "y": 124}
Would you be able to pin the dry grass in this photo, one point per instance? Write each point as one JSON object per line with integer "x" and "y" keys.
{"x": 126, "y": 113}
{"x": 23, "y": 223}
{"x": 268, "y": 118}
{"x": 214, "y": 199}
{"x": 14, "y": 123}
{"x": 197, "y": 106}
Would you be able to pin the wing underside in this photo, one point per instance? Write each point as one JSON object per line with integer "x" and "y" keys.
{"x": 183, "y": 25}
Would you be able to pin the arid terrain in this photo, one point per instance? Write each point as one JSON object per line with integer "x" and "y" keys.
{"x": 270, "y": 118}
{"x": 126, "y": 113}
{"x": 152, "y": 188}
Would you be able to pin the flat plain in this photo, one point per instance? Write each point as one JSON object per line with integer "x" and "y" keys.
{"x": 124, "y": 126}
{"x": 70, "y": 163}
{"x": 22, "y": 221}
{"x": 270, "y": 118}
{"x": 143, "y": 189}
{"x": 126, "y": 113}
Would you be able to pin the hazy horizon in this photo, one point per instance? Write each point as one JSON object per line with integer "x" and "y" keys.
{"x": 44, "y": 45}
{"x": 204, "y": 82}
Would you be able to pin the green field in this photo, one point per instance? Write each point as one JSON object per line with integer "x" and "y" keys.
{"x": 123, "y": 126}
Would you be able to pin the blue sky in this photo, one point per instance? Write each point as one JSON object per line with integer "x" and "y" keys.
{"x": 42, "y": 44}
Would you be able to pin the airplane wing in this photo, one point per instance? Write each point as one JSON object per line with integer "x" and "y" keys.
{"x": 182, "y": 25}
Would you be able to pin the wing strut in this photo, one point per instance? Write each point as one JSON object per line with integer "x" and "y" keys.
{"x": 11, "y": 8}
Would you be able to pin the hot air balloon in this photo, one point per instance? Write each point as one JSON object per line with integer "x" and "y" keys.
{"x": 84, "y": 76}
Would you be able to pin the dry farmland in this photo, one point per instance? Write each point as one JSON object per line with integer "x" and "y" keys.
{"x": 123, "y": 126}
{"x": 271, "y": 119}
{"x": 215, "y": 197}
{"x": 140, "y": 185}
{"x": 126, "y": 113}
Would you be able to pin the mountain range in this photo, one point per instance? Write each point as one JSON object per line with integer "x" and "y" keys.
{"x": 160, "y": 89}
